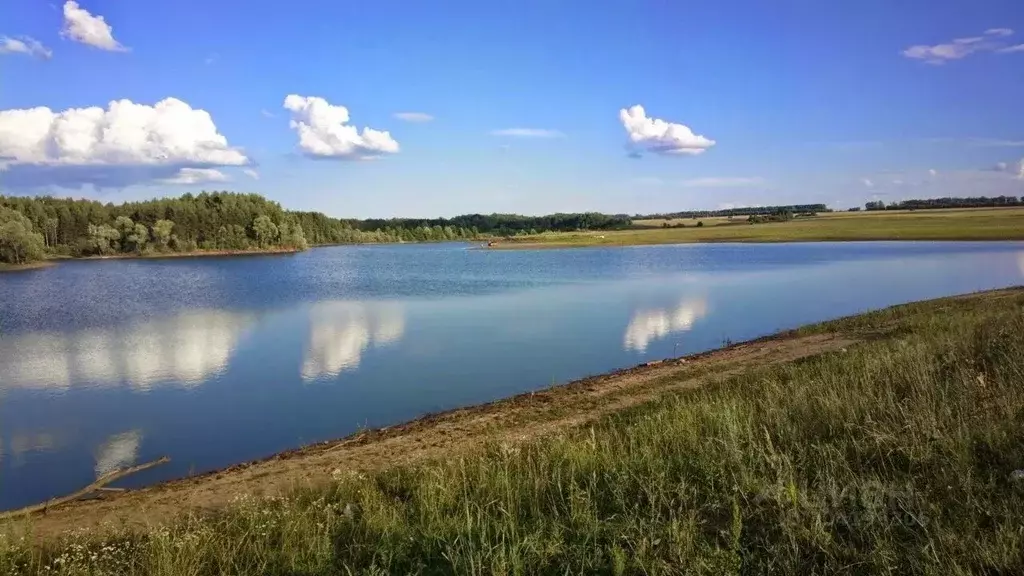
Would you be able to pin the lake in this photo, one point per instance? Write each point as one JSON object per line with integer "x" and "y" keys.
{"x": 216, "y": 361}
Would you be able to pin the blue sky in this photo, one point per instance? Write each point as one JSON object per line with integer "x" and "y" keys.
{"x": 804, "y": 101}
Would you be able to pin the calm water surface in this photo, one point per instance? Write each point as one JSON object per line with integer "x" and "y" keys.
{"x": 218, "y": 361}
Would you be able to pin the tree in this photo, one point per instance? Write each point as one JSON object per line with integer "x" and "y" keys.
{"x": 162, "y": 233}
{"x": 124, "y": 226}
{"x": 138, "y": 238}
{"x": 291, "y": 236}
{"x": 103, "y": 239}
{"x": 265, "y": 230}
{"x": 18, "y": 243}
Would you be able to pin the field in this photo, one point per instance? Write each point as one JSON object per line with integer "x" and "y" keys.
{"x": 881, "y": 443}
{"x": 950, "y": 224}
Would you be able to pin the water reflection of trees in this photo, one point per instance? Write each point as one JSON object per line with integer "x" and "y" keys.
{"x": 186, "y": 350}
{"x": 654, "y": 324}
{"x": 340, "y": 332}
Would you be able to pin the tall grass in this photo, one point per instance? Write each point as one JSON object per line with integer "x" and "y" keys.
{"x": 891, "y": 457}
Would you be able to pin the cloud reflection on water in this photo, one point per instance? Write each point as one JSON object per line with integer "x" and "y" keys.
{"x": 648, "y": 325}
{"x": 186, "y": 350}
{"x": 119, "y": 451}
{"x": 340, "y": 332}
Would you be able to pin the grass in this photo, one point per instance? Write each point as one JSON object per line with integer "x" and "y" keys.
{"x": 951, "y": 224}
{"x": 892, "y": 456}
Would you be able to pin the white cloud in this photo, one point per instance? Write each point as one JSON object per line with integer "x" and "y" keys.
{"x": 659, "y": 136}
{"x": 24, "y": 45}
{"x": 867, "y": 182}
{"x": 933, "y": 172}
{"x": 1014, "y": 168}
{"x": 251, "y": 173}
{"x": 413, "y": 116}
{"x": 723, "y": 182}
{"x": 324, "y": 131}
{"x": 267, "y": 113}
{"x": 1011, "y": 49}
{"x": 81, "y": 26}
{"x": 196, "y": 176}
{"x": 528, "y": 133}
{"x": 123, "y": 144}
{"x": 211, "y": 59}
{"x": 990, "y": 41}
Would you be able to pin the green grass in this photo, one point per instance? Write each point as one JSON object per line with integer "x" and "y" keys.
{"x": 967, "y": 224}
{"x": 890, "y": 457}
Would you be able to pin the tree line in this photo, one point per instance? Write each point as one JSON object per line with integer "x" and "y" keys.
{"x": 741, "y": 211}
{"x": 31, "y": 228}
{"x": 934, "y": 203}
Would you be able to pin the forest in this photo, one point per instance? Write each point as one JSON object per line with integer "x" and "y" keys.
{"x": 933, "y": 203}
{"x": 34, "y": 228}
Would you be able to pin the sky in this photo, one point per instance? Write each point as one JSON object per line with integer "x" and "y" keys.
{"x": 425, "y": 109}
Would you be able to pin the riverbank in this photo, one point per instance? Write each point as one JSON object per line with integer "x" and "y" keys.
{"x": 885, "y": 441}
{"x": 54, "y": 260}
{"x": 943, "y": 224}
{"x": 5, "y": 267}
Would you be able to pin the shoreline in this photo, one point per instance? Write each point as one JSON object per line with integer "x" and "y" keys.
{"x": 514, "y": 245}
{"x": 190, "y": 254}
{"x": 454, "y": 432}
{"x": 56, "y": 260}
{"x": 432, "y": 435}
{"x": 38, "y": 265}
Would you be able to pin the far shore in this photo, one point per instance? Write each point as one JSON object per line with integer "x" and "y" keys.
{"x": 189, "y": 254}
{"x": 970, "y": 224}
{"x": 54, "y": 260}
{"x": 4, "y": 267}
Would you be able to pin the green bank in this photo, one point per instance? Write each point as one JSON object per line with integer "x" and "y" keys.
{"x": 895, "y": 454}
{"x": 940, "y": 224}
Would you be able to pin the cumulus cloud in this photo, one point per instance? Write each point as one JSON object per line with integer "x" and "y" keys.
{"x": 413, "y": 116}
{"x": 723, "y": 182}
{"x": 24, "y": 45}
{"x": 81, "y": 26}
{"x": 123, "y": 144}
{"x": 196, "y": 176}
{"x": 993, "y": 40}
{"x": 324, "y": 131}
{"x": 528, "y": 133}
{"x": 251, "y": 173}
{"x": 659, "y": 136}
{"x": 1014, "y": 168}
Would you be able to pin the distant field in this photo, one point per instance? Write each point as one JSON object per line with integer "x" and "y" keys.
{"x": 952, "y": 224}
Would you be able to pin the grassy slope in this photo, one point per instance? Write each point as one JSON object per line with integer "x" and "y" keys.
{"x": 969, "y": 224}
{"x": 891, "y": 456}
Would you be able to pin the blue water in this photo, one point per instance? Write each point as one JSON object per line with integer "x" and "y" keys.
{"x": 218, "y": 361}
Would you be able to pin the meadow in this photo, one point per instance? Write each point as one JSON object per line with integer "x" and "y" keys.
{"x": 894, "y": 454}
{"x": 941, "y": 224}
